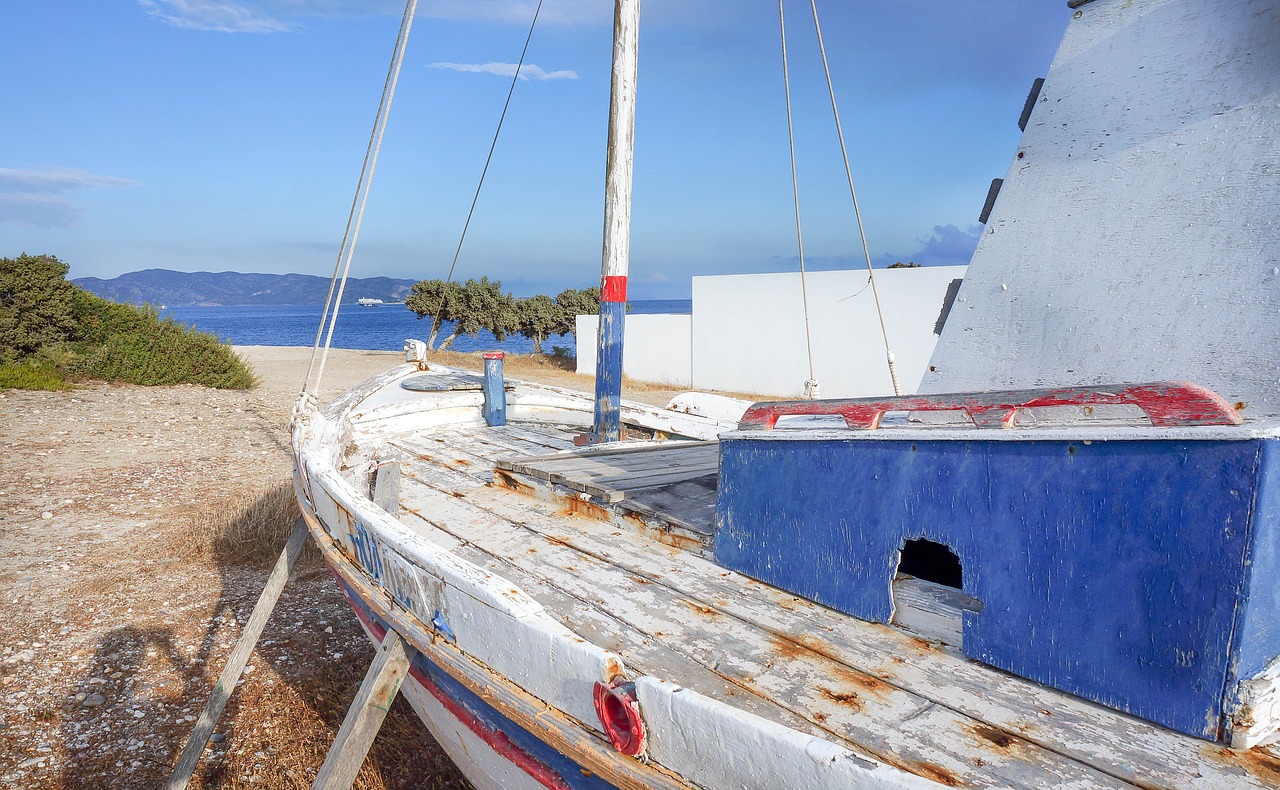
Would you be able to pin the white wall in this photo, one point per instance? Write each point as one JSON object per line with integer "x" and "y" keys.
{"x": 657, "y": 348}
{"x": 746, "y": 333}
{"x": 748, "y": 330}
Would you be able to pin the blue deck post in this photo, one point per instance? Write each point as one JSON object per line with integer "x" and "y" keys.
{"x": 495, "y": 390}
{"x": 608, "y": 414}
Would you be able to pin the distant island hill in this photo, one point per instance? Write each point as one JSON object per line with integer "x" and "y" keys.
{"x": 230, "y": 289}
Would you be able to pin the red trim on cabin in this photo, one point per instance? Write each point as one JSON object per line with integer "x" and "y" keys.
{"x": 494, "y": 738}
{"x": 1166, "y": 404}
{"x": 614, "y": 290}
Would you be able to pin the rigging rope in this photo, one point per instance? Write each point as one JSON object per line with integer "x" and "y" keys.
{"x": 444, "y": 297}
{"x": 358, "y": 203}
{"x": 871, "y": 277}
{"x": 810, "y": 386}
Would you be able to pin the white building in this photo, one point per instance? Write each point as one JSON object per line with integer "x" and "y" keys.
{"x": 747, "y": 333}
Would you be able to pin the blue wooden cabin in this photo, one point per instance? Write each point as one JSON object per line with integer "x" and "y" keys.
{"x": 1135, "y": 559}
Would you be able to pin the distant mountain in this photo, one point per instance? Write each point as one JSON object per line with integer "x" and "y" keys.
{"x": 216, "y": 289}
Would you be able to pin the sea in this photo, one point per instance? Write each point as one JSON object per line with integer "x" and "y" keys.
{"x": 380, "y": 328}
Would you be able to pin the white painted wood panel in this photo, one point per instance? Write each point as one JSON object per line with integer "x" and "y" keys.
{"x": 1137, "y": 234}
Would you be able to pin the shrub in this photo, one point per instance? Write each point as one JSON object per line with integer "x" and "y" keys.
{"x": 45, "y": 319}
{"x": 31, "y": 376}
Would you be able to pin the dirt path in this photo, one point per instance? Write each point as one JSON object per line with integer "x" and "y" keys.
{"x": 113, "y": 632}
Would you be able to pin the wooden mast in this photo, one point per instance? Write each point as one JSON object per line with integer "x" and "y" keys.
{"x": 617, "y": 221}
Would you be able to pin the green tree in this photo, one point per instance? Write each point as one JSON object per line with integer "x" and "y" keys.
{"x": 539, "y": 317}
{"x": 482, "y": 305}
{"x": 470, "y": 307}
{"x": 437, "y": 299}
{"x": 36, "y": 305}
{"x": 574, "y": 302}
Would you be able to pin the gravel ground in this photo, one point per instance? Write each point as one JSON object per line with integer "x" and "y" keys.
{"x": 113, "y": 634}
{"x": 110, "y": 639}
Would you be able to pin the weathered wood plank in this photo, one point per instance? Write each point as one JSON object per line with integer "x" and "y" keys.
{"x": 639, "y": 650}
{"x": 845, "y": 702}
{"x": 620, "y": 448}
{"x": 651, "y": 459}
{"x": 690, "y": 503}
{"x": 550, "y": 436}
{"x": 652, "y": 477}
{"x": 423, "y": 450}
{"x": 364, "y": 718}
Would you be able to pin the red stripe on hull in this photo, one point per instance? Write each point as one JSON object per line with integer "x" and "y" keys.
{"x": 496, "y": 739}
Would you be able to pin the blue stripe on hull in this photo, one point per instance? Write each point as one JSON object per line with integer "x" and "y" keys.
{"x": 557, "y": 770}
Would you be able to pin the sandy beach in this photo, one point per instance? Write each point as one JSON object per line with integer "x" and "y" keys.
{"x": 114, "y": 633}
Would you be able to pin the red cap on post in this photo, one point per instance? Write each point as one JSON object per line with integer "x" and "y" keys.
{"x": 494, "y": 355}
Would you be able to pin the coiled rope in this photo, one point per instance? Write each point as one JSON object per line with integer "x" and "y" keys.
{"x": 358, "y": 203}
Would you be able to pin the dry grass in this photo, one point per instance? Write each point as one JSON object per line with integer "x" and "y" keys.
{"x": 247, "y": 529}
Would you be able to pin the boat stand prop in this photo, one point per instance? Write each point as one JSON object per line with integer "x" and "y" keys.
{"x": 364, "y": 717}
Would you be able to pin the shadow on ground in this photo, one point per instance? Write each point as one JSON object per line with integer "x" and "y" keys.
{"x": 153, "y": 681}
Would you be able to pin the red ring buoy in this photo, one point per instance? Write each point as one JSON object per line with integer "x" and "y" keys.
{"x": 619, "y": 712}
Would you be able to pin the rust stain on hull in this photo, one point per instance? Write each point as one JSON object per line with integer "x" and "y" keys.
{"x": 931, "y": 771}
{"x": 994, "y": 735}
{"x": 700, "y": 609}
{"x": 848, "y": 699}
{"x": 1257, "y": 763}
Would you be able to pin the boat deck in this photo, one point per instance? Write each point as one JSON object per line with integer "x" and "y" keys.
{"x": 611, "y": 542}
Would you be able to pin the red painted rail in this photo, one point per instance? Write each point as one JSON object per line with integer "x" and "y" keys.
{"x": 1166, "y": 404}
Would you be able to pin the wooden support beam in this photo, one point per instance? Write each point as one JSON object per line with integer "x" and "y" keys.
{"x": 186, "y": 764}
{"x": 364, "y": 718}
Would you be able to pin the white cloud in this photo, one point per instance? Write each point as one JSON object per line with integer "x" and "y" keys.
{"x": 275, "y": 16}
{"x": 223, "y": 16}
{"x": 55, "y": 179}
{"x": 527, "y": 71}
{"x": 34, "y": 198}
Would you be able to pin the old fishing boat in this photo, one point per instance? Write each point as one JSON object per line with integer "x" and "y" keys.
{"x": 1066, "y": 575}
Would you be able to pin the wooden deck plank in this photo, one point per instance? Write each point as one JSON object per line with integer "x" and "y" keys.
{"x": 848, "y": 703}
{"x": 689, "y": 503}
{"x": 640, "y": 652}
{"x": 548, "y": 435}
{"x": 1138, "y": 751}
{"x": 653, "y": 477}
{"x": 520, "y": 442}
{"x": 651, "y": 460}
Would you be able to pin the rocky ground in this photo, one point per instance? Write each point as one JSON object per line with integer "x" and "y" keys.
{"x": 124, "y": 588}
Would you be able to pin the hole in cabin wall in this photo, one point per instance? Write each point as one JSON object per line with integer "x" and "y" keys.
{"x": 933, "y": 562}
{"x": 927, "y": 592}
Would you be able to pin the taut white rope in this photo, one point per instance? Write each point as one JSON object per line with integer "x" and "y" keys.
{"x": 356, "y": 217}
{"x": 810, "y": 386}
{"x": 871, "y": 277}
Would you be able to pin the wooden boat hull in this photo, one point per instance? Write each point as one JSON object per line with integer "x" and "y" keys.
{"x": 506, "y": 688}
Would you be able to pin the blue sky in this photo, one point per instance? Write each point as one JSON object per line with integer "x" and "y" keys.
{"x": 216, "y": 135}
